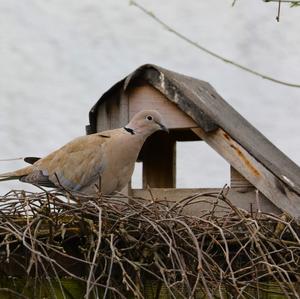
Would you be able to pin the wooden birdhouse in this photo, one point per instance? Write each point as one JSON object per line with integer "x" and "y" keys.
{"x": 261, "y": 176}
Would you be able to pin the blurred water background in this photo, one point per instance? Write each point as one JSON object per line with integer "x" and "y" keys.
{"x": 58, "y": 57}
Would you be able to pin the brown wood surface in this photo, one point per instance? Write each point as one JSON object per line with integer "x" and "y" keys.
{"x": 201, "y": 201}
{"x": 147, "y": 97}
{"x": 238, "y": 182}
{"x": 113, "y": 113}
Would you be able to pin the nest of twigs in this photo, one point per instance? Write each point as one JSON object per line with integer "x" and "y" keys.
{"x": 117, "y": 247}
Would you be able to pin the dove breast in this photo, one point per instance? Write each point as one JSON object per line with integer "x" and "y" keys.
{"x": 117, "y": 164}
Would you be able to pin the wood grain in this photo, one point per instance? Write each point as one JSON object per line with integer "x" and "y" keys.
{"x": 147, "y": 97}
{"x": 238, "y": 182}
{"x": 201, "y": 203}
{"x": 113, "y": 113}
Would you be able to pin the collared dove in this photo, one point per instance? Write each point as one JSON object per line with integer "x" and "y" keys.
{"x": 107, "y": 157}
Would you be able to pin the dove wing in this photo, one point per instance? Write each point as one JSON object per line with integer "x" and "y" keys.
{"x": 73, "y": 166}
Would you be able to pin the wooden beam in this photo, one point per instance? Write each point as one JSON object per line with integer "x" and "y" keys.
{"x": 256, "y": 173}
{"x": 201, "y": 202}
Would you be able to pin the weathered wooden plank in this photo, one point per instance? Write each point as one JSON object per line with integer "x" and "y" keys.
{"x": 146, "y": 97}
{"x": 201, "y": 202}
{"x": 256, "y": 173}
{"x": 171, "y": 194}
{"x": 113, "y": 113}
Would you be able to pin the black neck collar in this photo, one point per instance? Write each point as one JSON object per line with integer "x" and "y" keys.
{"x": 131, "y": 131}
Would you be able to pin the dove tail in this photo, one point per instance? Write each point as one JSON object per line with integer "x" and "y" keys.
{"x": 15, "y": 175}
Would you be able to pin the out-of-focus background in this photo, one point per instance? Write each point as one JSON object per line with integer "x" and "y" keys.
{"x": 58, "y": 57}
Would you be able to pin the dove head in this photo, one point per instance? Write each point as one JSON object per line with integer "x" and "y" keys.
{"x": 146, "y": 122}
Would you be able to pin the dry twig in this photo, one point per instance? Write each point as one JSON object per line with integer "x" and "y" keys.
{"x": 113, "y": 246}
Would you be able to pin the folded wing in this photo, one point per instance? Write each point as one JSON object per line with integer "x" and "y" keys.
{"x": 72, "y": 167}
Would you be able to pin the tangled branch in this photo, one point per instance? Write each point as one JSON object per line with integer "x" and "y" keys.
{"x": 118, "y": 247}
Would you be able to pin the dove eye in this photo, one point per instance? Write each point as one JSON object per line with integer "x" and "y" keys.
{"x": 149, "y": 117}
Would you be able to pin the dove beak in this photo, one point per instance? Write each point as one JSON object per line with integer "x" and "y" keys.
{"x": 163, "y": 127}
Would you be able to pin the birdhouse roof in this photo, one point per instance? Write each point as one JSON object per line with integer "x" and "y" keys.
{"x": 199, "y": 100}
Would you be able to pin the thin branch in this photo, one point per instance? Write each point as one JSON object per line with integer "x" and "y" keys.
{"x": 233, "y": 3}
{"x": 209, "y": 52}
{"x": 279, "y": 10}
{"x": 124, "y": 246}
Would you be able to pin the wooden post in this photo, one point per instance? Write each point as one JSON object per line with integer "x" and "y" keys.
{"x": 159, "y": 161}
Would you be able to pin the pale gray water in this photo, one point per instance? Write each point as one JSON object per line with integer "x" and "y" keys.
{"x": 57, "y": 58}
